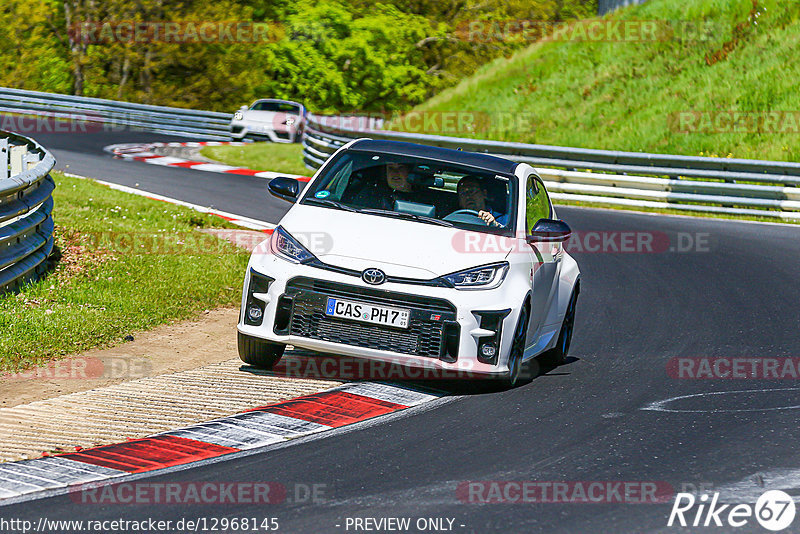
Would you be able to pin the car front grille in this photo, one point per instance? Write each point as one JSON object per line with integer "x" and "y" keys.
{"x": 426, "y": 335}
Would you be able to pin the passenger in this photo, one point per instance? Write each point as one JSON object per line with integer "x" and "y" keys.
{"x": 394, "y": 187}
{"x": 397, "y": 178}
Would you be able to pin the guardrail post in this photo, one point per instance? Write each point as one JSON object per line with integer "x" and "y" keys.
{"x": 3, "y": 159}
{"x": 30, "y": 160}
{"x": 17, "y": 152}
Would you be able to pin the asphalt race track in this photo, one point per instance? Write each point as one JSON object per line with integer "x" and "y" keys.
{"x": 735, "y": 295}
{"x": 83, "y": 154}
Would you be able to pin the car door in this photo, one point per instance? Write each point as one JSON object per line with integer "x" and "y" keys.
{"x": 545, "y": 257}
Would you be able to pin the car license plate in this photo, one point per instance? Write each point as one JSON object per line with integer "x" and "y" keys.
{"x": 367, "y": 313}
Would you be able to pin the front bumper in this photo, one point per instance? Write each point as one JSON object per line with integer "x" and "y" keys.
{"x": 444, "y": 332}
{"x": 240, "y": 130}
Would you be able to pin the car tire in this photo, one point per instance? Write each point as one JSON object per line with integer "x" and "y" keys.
{"x": 259, "y": 353}
{"x": 515, "y": 377}
{"x": 558, "y": 355}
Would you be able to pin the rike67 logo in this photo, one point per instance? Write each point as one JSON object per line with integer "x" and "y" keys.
{"x": 774, "y": 510}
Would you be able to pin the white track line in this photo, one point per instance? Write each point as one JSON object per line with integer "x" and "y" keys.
{"x": 239, "y": 220}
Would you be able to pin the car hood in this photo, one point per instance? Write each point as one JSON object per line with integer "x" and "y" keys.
{"x": 401, "y": 248}
{"x": 276, "y": 118}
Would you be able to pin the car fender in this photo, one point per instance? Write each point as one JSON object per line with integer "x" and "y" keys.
{"x": 509, "y": 328}
{"x": 568, "y": 280}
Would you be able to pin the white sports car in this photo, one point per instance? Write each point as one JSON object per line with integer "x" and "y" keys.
{"x": 421, "y": 256}
{"x": 280, "y": 121}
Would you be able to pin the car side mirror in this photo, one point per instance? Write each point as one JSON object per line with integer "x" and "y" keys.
{"x": 284, "y": 188}
{"x": 549, "y": 231}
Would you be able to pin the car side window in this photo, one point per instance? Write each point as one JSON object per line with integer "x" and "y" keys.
{"x": 537, "y": 203}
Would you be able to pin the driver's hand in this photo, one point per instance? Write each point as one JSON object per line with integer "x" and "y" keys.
{"x": 488, "y": 218}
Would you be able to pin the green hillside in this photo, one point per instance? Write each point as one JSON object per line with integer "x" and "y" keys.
{"x": 334, "y": 56}
{"x": 657, "y": 95}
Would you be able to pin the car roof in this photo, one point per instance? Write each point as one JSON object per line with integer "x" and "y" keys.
{"x": 446, "y": 155}
{"x": 277, "y": 100}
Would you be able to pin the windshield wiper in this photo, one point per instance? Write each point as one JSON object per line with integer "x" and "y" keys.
{"x": 413, "y": 217}
{"x": 332, "y": 204}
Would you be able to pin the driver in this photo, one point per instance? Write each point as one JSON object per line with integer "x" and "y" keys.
{"x": 472, "y": 195}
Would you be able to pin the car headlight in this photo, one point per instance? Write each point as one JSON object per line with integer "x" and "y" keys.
{"x": 238, "y": 115}
{"x": 484, "y": 277}
{"x": 284, "y": 245}
{"x": 289, "y": 121}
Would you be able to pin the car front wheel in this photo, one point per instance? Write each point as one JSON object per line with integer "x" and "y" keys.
{"x": 514, "y": 376}
{"x": 558, "y": 355}
{"x": 259, "y": 353}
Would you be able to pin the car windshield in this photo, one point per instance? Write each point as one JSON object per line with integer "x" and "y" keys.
{"x": 285, "y": 107}
{"x": 426, "y": 191}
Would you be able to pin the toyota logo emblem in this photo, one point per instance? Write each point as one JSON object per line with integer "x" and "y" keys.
{"x": 373, "y": 276}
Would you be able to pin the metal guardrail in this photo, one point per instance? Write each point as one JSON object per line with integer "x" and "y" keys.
{"x": 605, "y": 6}
{"x": 688, "y": 183}
{"x": 115, "y": 114}
{"x": 26, "y": 205}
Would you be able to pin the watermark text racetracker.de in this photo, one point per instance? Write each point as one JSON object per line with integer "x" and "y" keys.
{"x": 202, "y": 493}
{"x": 463, "y": 241}
{"x": 68, "y": 123}
{"x": 191, "y": 243}
{"x": 73, "y": 122}
{"x": 346, "y": 368}
{"x": 566, "y": 492}
{"x": 85, "y": 368}
{"x": 734, "y": 121}
{"x": 172, "y": 31}
{"x": 733, "y": 368}
{"x": 593, "y": 30}
{"x": 593, "y": 241}
{"x": 452, "y": 122}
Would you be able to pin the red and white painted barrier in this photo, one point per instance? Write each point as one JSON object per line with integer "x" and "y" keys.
{"x": 144, "y": 152}
{"x": 279, "y": 422}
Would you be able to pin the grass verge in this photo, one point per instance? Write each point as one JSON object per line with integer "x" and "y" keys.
{"x": 128, "y": 264}
{"x": 670, "y": 95}
{"x": 276, "y": 157}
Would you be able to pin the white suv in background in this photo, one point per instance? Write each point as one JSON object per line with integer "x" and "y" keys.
{"x": 279, "y": 121}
